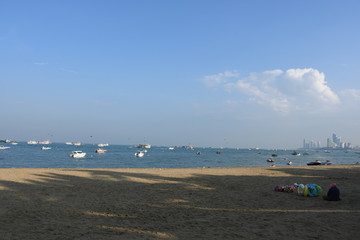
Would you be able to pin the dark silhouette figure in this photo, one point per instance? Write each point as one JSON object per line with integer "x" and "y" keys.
{"x": 333, "y": 194}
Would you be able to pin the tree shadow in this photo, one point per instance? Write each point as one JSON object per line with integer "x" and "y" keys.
{"x": 126, "y": 204}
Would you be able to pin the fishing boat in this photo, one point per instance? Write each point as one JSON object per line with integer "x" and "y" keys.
{"x": 100, "y": 150}
{"x": 3, "y": 147}
{"x": 77, "y": 154}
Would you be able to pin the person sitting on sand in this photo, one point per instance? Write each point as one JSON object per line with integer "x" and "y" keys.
{"x": 333, "y": 193}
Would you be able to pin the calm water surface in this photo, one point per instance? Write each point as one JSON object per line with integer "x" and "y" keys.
{"x": 24, "y": 155}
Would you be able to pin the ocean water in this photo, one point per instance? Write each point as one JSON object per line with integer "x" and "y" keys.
{"x": 24, "y": 155}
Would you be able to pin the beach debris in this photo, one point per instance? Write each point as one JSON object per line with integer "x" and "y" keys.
{"x": 285, "y": 188}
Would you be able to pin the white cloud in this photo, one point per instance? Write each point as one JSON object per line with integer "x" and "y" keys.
{"x": 283, "y": 91}
{"x": 353, "y": 94}
{"x": 312, "y": 85}
{"x": 220, "y": 78}
{"x": 350, "y": 97}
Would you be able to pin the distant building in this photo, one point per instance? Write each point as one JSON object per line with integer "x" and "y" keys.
{"x": 333, "y": 142}
{"x": 336, "y": 142}
{"x": 311, "y": 145}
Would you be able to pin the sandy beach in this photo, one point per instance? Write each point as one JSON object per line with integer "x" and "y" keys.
{"x": 203, "y": 203}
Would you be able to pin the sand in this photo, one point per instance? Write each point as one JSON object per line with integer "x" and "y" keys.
{"x": 204, "y": 203}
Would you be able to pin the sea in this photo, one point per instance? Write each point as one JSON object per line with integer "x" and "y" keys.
{"x": 26, "y": 155}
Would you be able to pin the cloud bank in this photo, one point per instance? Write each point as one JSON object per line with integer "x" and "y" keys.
{"x": 283, "y": 91}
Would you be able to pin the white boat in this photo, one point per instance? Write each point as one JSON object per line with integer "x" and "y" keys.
{"x": 14, "y": 143}
{"x": 103, "y": 145}
{"x": 100, "y": 150}
{"x": 76, "y": 143}
{"x": 32, "y": 142}
{"x": 139, "y": 154}
{"x": 3, "y": 147}
{"x": 77, "y": 154}
{"x": 45, "y": 148}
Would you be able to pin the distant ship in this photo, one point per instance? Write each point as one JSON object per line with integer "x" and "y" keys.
{"x": 103, "y": 144}
{"x": 144, "y": 146}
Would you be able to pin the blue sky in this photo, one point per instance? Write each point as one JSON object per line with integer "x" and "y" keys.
{"x": 206, "y": 73}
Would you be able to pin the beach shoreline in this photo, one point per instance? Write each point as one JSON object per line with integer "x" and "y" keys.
{"x": 176, "y": 203}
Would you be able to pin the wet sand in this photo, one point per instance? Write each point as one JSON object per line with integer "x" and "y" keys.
{"x": 203, "y": 203}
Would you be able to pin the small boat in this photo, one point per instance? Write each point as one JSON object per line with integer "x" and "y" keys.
{"x": 295, "y": 153}
{"x": 144, "y": 146}
{"x": 14, "y": 143}
{"x": 270, "y": 160}
{"x": 274, "y": 155}
{"x": 77, "y": 154}
{"x": 3, "y": 147}
{"x": 139, "y": 154}
{"x": 103, "y": 145}
{"x": 171, "y": 148}
{"x": 289, "y": 163}
{"x": 317, "y": 162}
{"x": 198, "y": 153}
{"x": 327, "y": 162}
{"x": 100, "y": 150}
{"x": 45, "y": 148}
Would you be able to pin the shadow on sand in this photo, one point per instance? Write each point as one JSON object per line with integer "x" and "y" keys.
{"x": 121, "y": 204}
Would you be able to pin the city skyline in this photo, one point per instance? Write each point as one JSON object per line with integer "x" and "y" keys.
{"x": 334, "y": 142}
